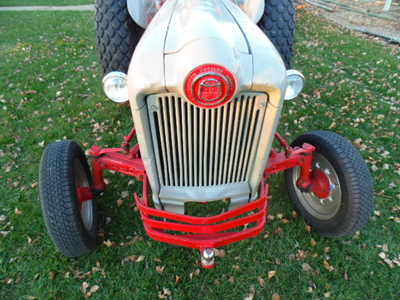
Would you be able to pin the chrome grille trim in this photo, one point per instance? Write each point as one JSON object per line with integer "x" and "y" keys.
{"x": 205, "y": 147}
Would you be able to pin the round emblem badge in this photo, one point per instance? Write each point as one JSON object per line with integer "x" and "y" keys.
{"x": 210, "y": 86}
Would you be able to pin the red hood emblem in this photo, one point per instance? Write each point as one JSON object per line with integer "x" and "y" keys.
{"x": 211, "y": 89}
{"x": 210, "y": 86}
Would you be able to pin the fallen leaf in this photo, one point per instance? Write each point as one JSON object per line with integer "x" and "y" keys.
{"x": 276, "y": 296}
{"x": 261, "y": 281}
{"x": 252, "y": 293}
{"x": 131, "y": 258}
{"x": 140, "y": 258}
{"x": 94, "y": 289}
{"x": 17, "y": 211}
{"x": 327, "y": 266}
{"x": 346, "y": 276}
{"x": 177, "y": 279}
{"x": 84, "y": 287}
{"x": 160, "y": 269}
{"x": 29, "y": 92}
{"x": 219, "y": 253}
{"x": 164, "y": 294}
{"x": 327, "y": 294}
{"x": 52, "y": 275}
{"x": 306, "y": 267}
{"x": 271, "y": 274}
{"x": 108, "y": 243}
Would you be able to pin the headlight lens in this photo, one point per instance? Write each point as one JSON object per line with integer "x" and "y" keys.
{"x": 115, "y": 87}
{"x": 295, "y": 84}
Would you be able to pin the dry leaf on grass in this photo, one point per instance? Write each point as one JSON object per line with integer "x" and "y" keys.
{"x": 164, "y": 294}
{"x": 128, "y": 259}
{"x": 271, "y": 274}
{"x": 52, "y": 275}
{"x": 140, "y": 258}
{"x": 327, "y": 266}
{"x": 220, "y": 253}
{"x": 261, "y": 281}
{"x": 276, "y": 296}
{"x": 306, "y": 267}
{"x": 252, "y": 293}
{"x": 108, "y": 243}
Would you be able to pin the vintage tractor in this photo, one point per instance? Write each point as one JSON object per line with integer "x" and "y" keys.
{"x": 206, "y": 81}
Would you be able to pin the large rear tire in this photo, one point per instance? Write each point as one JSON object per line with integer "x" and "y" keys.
{"x": 117, "y": 35}
{"x": 279, "y": 24}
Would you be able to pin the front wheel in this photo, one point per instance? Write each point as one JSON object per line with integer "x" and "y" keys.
{"x": 68, "y": 206}
{"x": 350, "y": 201}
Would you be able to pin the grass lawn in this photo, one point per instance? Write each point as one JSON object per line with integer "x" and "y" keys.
{"x": 50, "y": 88}
{"x": 44, "y": 2}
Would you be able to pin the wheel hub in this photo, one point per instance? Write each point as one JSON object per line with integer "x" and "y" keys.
{"x": 320, "y": 185}
{"x": 84, "y": 196}
{"x": 323, "y": 198}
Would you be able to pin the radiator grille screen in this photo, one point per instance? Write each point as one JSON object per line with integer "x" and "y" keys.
{"x": 205, "y": 147}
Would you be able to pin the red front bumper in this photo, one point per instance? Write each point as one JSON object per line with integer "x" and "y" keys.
{"x": 204, "y": 232}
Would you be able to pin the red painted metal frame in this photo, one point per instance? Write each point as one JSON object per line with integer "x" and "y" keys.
{"x": 202, "y": 232}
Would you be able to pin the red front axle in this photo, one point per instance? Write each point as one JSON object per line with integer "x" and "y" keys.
{"x": 205, "y": 232}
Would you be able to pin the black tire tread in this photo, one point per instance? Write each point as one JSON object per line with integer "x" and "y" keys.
{"x": 279, "y": 24}
{"x": 117, "y": 35}
{"x": 357, "y": 183}
{"x": 58, "y": 199}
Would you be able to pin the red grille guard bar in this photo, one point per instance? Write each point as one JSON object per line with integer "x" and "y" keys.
{"x": 203, "y": 233}
{"x": 206, "y": 232}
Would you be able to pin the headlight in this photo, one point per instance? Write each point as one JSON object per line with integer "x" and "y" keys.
{"x": 115, "y": 87}
{"x": 295, "y": 84}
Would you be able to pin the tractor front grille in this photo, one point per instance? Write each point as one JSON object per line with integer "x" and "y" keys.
{"x": 205, "y": 147}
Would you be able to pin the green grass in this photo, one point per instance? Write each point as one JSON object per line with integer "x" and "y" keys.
{"x": 44, "y": 2}
{"x": 50, "y": 89}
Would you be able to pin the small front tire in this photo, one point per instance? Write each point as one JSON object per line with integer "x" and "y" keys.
{"x": 68, "y": 206}
{"x": 350, "y": 202}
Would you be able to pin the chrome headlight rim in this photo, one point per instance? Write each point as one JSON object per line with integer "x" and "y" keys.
{"x": 295, "y": 84}
{"x": 119, "y": 80}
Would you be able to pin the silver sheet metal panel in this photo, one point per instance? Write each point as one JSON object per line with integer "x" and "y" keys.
{"x": 197, "y": 147}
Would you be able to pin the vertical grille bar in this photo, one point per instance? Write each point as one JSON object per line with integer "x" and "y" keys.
{"x": 179, "y": 137}
{"x": 199, "y": 147}
{"x": 184, "y": 143}
{"x": 189, "y": 109}
{"x": 223, "y": 142}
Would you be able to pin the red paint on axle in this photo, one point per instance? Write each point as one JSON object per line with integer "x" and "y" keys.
{"x": 204, "y": 232}
{"x": 320, "y": 184}
{"x": 84, "y": 194}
